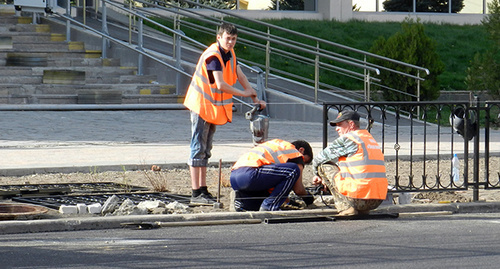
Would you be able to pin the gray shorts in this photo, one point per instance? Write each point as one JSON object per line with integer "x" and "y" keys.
{"x": 202, "y": 134}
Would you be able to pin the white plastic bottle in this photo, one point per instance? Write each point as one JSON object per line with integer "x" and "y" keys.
{"x": 456, "y": 169}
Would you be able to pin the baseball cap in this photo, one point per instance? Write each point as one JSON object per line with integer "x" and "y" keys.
{"x": 345, "y": 115}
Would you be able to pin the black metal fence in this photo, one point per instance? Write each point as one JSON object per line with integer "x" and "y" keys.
{"x": 419, "y": 140}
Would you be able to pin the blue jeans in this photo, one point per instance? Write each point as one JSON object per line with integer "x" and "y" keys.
{"x": 202, "y": 134}
{"x": 279, "y": 177}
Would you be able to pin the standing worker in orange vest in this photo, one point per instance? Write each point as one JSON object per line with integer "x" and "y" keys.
{"x": 209, "y": 98}
{"x": 263, "y": 177}
{"x": 361, "y": 183}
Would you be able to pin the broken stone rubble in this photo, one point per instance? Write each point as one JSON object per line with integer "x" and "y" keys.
{"x": 127, "y": 207}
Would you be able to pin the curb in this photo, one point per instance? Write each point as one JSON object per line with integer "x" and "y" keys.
{"x": 225, "y": 218}
{"x": 114, "y": 222}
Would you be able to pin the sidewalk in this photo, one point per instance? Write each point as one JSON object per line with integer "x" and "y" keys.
{"x": 224, "y": 218}
{"x": 41, "y": 142}
{"x": 76, "y": 141}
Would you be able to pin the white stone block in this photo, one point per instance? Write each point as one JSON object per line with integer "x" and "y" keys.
{"x": 68, "y": 209}
{"x": 95, "y": 208}
{"x": 82, "y": 208}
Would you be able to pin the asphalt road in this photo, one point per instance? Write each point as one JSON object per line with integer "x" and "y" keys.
{"x": 443, "y": 241}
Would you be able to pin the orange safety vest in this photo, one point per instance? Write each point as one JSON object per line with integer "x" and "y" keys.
{"x": 203, "y": 98}
{"x": 273, "y": 151}
{"x": 362, "y": 175}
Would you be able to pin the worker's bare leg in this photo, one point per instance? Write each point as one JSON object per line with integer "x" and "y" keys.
{"x": 198, "y": 176}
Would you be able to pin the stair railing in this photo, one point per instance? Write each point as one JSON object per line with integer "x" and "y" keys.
{"x": 278, "y": 46}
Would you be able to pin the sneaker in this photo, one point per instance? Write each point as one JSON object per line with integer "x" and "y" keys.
{"x": 203, "y": 199}
{"x": 236, "y": 201}
{"x": 232, "y": 199}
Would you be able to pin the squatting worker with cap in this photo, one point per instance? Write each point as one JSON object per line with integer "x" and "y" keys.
{"x": 209, "y": 98}
{"x": 264, "y": 176}
{"x": 361, "y": 183}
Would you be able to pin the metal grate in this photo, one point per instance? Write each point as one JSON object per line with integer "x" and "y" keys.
{"x": 8, "y": 191}
{"x": 55, "y": 201}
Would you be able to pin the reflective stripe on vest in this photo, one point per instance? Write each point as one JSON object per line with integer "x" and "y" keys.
{"x": 363, "y": 174}
{"x": 213, "y": 105}
{"x": 273, "y": 151}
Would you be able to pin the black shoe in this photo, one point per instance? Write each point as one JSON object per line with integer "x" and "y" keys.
{"x": 203, "y": 199}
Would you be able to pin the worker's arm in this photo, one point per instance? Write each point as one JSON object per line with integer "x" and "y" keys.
{"x": 298, "y": 187}
{"x": 225, "y": 87}
{"x": 247, "y": 92}
{"x": 242, "y": 78}
{"x": 341, "y": 146}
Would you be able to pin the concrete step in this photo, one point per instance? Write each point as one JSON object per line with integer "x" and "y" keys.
{"x": 11, "y": 19}
{"x": 45, "y": 58}
{"x": 132, "y": 79}
{"x": 15, "y": 71}
{"x": 38, "y": 99}
{"x": 39, "y": 67}
{"x": 72, "y": 75}
{"x": 84, "y": 62}
{"x": 7, "y": 10}
{"x": 47, "y": 47}
{"x": 74, "y": 99}
{"x": 23, "y": 59}
{"x": 28, "y": 79}
{"x": 100, "y": 93}
{"x": 92, "y": 75}
{"x": 25, "y": 27}
{"x": 61, "y": 89}
{"x": 152, "y": 99}
{"x": 23, "y": 37}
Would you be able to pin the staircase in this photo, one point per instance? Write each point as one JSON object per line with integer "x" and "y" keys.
{"x": 40, "y": 67}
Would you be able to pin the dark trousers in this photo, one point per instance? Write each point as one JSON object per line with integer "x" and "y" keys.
{"x": 275, "y": 181}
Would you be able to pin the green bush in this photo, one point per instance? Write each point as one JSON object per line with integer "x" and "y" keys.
{"x": 411, "y": 46}
{"x": 483, "y": 74}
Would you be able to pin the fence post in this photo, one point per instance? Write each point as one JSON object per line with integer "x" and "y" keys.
{"x": 85, "y": 12}
{"x": 140, "y": 47}
{"x": 268, "y": 56}
{"x": 475, "y": 194}
{"x": 68, "y": 23}
{"x": 325, "y": 125}
{"x": 130, "y": 23}
{"x": 174, "y": 45}
{"x": 104, "y": 30}
{"x": 418, "y": 93}
{"x": 316, "y": 74}
{"x": 178, "y": 59}
{"x": 487, "y": 119}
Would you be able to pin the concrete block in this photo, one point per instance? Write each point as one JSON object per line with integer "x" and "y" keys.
{"x": 68, "y": 209}
{"x": 82, "y": 208}
{"x": 95, "y": 208}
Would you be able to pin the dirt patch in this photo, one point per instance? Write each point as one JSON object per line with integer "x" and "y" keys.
{"x": 177, "y": 181}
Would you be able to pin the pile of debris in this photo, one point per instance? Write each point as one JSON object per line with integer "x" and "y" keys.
{"x": 104, "y": 198}
{"x": 113, "y": 207}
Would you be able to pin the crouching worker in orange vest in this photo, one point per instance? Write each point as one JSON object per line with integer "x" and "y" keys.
{"x": 263, "y": 177}
{"x": 361, "y": 183}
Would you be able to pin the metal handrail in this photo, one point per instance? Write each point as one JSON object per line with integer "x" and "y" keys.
{"x": 283, "y": 42}
{"x": 276, "y": 40}
{"x": 303, "y": 35}
{"x": 295, "y": 45}
{"x": 145, "y": 53}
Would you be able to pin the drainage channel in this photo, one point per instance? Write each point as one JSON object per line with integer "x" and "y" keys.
{"x": 25, "y": 190}
{"x": 55, "y": 201}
